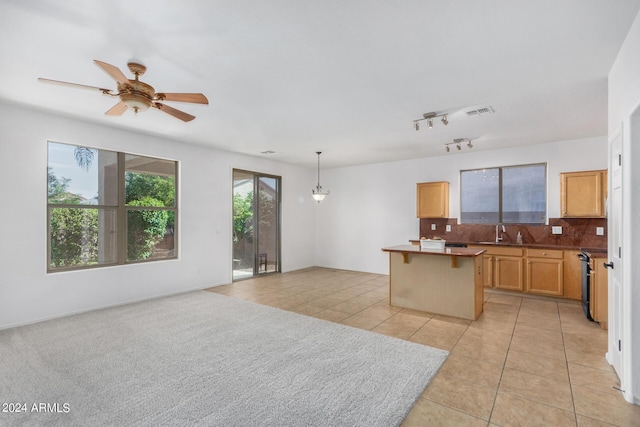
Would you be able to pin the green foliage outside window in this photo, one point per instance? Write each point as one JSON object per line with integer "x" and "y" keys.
{"x": 74, "y": 237}
{"x": 242, "y": 216}
{"x": 145, "y": 228}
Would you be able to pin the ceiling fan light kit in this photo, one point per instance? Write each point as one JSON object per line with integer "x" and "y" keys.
{"x": 137, "y": 95}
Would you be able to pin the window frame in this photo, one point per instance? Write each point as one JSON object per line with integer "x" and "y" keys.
{"x": 121, "y": 211}
{"x": 501, "y": 194}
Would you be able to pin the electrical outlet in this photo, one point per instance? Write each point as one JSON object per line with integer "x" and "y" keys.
{"x": 599, "y": 231}
{"x": 448, "y": 227}
{"x": 433, "y": 226}
{"x": 556, "y": 229}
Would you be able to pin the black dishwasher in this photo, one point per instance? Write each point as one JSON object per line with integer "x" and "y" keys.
{"x": 585, "y": 257}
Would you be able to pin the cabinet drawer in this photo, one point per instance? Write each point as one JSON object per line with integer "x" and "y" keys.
{"x": 545, "y": 253}
{"x": 492, "y": 250}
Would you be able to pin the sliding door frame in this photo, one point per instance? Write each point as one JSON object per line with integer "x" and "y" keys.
{"x": 256, "y": 222}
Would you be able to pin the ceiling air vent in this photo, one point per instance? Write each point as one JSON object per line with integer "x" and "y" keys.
{"x": 480, "y": 111}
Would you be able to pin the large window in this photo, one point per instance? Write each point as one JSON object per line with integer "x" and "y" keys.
{"x": 107, "y": 208}
{"x": 510, "y": 195}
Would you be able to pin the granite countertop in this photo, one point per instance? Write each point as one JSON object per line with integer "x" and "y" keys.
{"x": 597, "y": 253}
{"x": 594, "y": 252}
{"x": 414, "y": 249}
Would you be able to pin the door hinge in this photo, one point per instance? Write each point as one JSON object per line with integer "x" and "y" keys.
{"x": 619, "y": 345}
{"x": 619, "y": 252}
{"x": 619, "y": 159}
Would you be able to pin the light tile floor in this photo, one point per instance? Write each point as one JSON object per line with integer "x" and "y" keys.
{"x": 525, "y": 362}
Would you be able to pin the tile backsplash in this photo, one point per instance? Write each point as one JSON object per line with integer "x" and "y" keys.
{"x": 576, "y": 232}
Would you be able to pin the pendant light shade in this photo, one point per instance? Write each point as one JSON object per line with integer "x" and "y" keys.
{"x": 318, "y": 193}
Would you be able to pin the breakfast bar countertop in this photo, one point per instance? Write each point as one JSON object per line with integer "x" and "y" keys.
{"x": 447, "y": 251}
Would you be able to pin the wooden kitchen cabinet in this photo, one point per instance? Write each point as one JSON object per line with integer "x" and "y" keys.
{"x": 545, "y": 272}
{"x": 572, "y": 275}
{"x": 487, "y": 270}
{"x": 583, "y": 194}
{"x": 502, "y": 268}
{"x": 432, "y": 200}
{"x": 508, "y": 273}
{"x": 599, "y": 288}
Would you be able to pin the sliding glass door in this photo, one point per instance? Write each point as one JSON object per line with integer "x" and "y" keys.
{"x": 256, "y": 224}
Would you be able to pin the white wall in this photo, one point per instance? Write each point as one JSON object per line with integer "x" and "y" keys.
{"x": 373, "y": 206}
{"x": 624, "y": 98}
{"x": 28, "y": 293}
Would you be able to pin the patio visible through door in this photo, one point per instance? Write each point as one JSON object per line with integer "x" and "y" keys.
{"x": 256, "y": 224}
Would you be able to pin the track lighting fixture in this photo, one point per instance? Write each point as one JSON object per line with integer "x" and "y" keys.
{"x": 429, "y": 118}
{"x": 458, "y": 143}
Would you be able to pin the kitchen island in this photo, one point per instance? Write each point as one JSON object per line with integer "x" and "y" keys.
{"x": 446, "y": 281}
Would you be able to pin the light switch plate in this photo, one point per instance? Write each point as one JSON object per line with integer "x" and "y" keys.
{"x": 556, "y": 229}
{"x": 433, "y": 226}
{"x": 599, "y": 231}
{"x": 448, "y": 227}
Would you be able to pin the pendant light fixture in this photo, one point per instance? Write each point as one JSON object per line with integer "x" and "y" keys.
{"x": 318, "y": 193}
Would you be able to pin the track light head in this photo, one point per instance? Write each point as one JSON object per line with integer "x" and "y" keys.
{"x": 469, "y": 144}
{"x": 416, "y": 125}
{"x": 430, "y": 123}
{"x": 459, "y": 147}
{"x": 444, "y": 120}
{"x": 446, "y": 148}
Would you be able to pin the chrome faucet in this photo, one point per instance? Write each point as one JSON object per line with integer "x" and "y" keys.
{"x": 504, "y": 230}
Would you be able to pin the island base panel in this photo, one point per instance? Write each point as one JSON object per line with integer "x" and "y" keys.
{"x": 430, "y": 283}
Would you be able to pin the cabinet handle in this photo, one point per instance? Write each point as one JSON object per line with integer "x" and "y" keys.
{"x": 544, "y": 254}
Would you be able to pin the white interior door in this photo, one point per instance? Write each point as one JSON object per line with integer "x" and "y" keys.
{"x": 614, "y": 224}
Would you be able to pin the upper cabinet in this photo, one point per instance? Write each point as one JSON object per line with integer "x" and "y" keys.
{"x": 433, "y": 200}
{"x": 583, "y": 194}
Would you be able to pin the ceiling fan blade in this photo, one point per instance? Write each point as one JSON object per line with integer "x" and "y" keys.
{"x": 194, "y": 98}
{"x": 61, "y": 83}
{"x": 113, "y": 71}
{"x": 117, "y": 110}
{"x": 175, "y": 113}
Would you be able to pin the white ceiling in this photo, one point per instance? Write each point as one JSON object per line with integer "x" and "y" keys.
{"x": 346, "y": 77}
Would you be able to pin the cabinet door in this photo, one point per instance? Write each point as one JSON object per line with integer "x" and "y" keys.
{"x": 582, "y": 194}
{"x": 487, "y": 271}
{"x": 572, "y": 275}
{"x": 544, "y": 276}
{"x": 508, "y": 273}
{"x": 433, "y": 200}
{"x": 599, "y": 293}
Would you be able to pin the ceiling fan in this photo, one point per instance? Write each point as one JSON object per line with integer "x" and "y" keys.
{"x": 138, "y": 95}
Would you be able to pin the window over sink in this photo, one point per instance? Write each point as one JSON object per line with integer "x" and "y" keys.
{"x": 508, "y": 194}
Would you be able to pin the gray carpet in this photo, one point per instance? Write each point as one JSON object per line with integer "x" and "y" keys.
{"x": 205, "y": 359}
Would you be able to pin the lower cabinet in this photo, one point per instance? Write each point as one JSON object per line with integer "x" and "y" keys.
{"x": 545, "y": 272}
{"x": 508, "y": 273}
{"x": 502, "y": 268}
{"x": 599, "y": 292}
{"x": 532, "y": 270}
{"x": 572, "y": 275}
